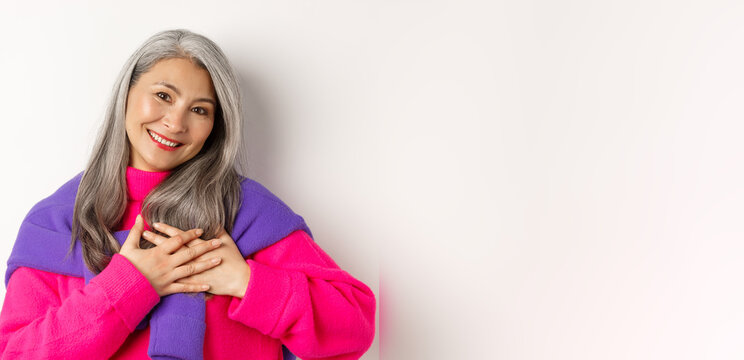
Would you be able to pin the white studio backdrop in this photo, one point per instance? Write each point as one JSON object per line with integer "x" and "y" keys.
{"x": 515, "y": 180}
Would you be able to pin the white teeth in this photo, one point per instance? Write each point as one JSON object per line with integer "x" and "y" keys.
{"x": 161, "y": 140}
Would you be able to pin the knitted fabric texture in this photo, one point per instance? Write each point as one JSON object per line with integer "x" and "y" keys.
{"x": 177, "y": 321}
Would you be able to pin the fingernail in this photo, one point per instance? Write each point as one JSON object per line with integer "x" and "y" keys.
{"x": 215, "y": 260}
{"x": 146, "y": 234}
{"x": 215, "y": 242}
{"x": 156, "y": 225}
{"x": 199, "y": 232}
{"x": 205, "y": 287}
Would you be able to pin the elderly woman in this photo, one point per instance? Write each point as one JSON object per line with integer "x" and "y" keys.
{"x": 225, "y": 270}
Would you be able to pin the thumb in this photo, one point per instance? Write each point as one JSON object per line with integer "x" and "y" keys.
{"x": 133, "y": 239}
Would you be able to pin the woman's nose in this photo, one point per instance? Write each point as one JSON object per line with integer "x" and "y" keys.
{"x": 175, "y": 121}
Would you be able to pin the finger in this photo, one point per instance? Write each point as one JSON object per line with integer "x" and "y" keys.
{"x": 179, "y": 287}
{"x": 187, "y": 254}
{"x": 194, "y": 267}
{"x": 195, "y": 242}
{"x": 176, "y": 242}
{"x": 135, "y": 233}
{"x": 167, "y": 229}
{"x": 173, "y": 231}
{"x": 205, "y": 256}
{"x": 193, "y": 279}
{"x": 160, "y": 239}
{"x": 154, "y": 238}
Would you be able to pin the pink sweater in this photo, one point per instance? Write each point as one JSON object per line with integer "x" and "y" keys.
{"x": 297, "y": 296}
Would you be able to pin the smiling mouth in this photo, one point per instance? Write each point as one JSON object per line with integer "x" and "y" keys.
{"x": 163, "y": 141}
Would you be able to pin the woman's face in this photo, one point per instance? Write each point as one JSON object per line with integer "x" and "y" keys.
{"x": 169, "y": 114}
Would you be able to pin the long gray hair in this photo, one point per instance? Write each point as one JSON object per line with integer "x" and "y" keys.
{"x": 202, "y": 192}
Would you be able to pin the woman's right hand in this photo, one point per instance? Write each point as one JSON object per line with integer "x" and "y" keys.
{"x": 162, "y": 265}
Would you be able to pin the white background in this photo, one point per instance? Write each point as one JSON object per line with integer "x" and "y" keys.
{"x": 515, "y": 180}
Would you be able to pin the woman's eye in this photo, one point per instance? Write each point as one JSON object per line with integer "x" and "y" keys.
{"x": 200, "y": 111}
{"x": 163, "y": 96}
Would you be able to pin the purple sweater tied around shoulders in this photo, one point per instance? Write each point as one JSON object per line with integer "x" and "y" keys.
{"x": 177, "y": 321}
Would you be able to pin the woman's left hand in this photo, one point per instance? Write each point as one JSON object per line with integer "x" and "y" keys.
{"x": 230, "y": 277}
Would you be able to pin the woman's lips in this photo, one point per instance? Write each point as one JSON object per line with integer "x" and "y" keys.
{"x": 161, "y": 145}
{"x": 163, "y": 136}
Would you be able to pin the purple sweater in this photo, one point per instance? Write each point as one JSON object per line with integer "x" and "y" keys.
{"x": 178, "y": 320}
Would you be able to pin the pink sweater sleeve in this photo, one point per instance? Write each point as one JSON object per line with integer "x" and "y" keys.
{"x": 91, "y": 322}
{"x": 299, "y": 295}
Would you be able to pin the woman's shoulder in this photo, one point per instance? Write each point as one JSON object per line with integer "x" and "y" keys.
{"x": 263, "y": 212}
{"x": 259, "y": 195}
{"x": 251, "y": 187}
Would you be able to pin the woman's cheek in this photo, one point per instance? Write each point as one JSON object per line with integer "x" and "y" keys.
{"x": 151, "y": 109}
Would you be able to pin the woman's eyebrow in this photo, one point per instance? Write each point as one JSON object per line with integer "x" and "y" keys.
{"x": 175, "y": 89}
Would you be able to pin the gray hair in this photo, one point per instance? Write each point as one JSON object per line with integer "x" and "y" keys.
{"x": 202, "y": 192}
